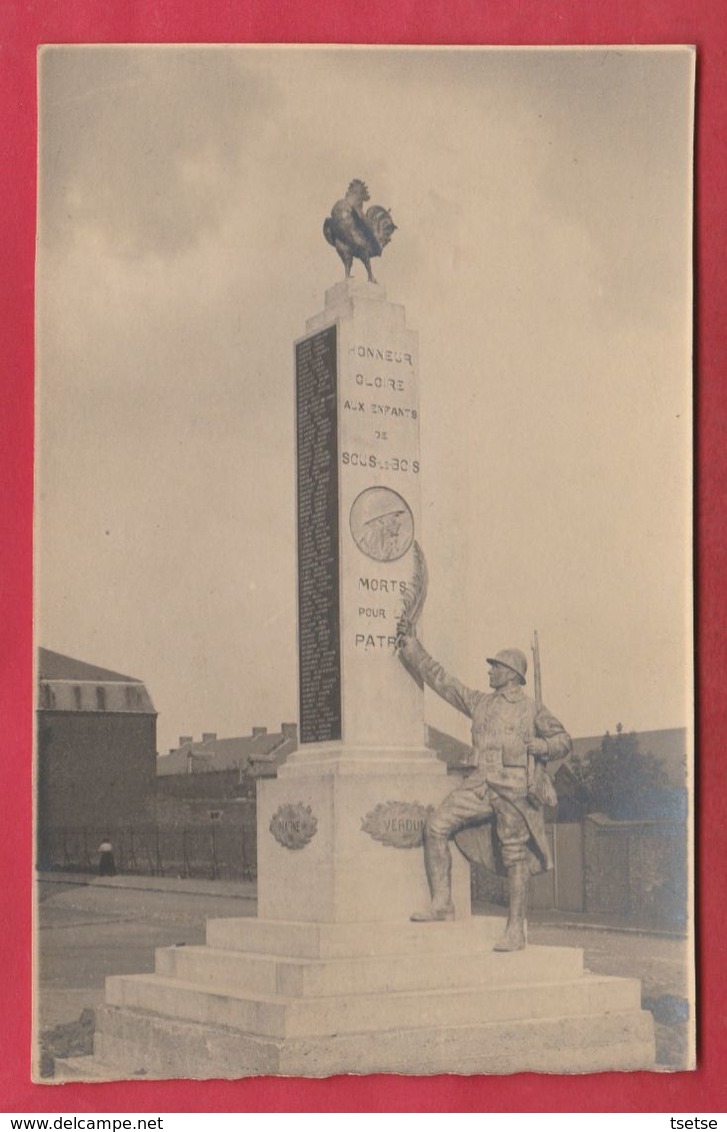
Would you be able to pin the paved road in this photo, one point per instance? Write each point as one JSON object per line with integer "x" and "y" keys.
{"x": 661, "y": 963}
{"x": 88, "y": 931}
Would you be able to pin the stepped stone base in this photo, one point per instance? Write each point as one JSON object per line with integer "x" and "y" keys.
{"x": 306, "y": 999}
{"x": 154, "y": 1047}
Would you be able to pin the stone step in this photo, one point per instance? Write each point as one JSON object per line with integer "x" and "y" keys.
{"x": 278, "y": 1016}
{"x": 333, "y": 941}
{"x": 155, "y": 1047}
{"x": 213, "y": 968}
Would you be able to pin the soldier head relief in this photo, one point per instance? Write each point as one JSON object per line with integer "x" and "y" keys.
{"x": 381, "y": 524}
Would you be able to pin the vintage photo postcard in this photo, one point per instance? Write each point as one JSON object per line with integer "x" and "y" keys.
{"x": 364, "y": 580}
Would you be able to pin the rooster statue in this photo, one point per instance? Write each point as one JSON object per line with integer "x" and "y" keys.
{"x": 354, "y": 233}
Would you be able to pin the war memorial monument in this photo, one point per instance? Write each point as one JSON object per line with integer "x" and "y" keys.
{"x": 361, "y": 959}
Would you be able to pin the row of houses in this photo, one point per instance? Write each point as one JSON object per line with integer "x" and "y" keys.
{"x": 99, "y": 776}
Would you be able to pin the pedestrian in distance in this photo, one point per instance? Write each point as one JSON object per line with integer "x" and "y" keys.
{"x": 106, "y": 861}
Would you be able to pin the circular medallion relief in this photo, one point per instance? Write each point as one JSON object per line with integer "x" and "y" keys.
{"x": 382, "y": 524}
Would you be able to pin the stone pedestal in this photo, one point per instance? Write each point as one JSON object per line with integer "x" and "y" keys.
{"x": 345, "y": 874}
{"x": 332, "y": 977}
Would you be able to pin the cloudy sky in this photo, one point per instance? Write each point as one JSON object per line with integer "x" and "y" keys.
{"x": 542, "y": 202}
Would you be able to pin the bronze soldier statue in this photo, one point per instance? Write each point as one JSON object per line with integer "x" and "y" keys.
{"x": 496, "y": 815}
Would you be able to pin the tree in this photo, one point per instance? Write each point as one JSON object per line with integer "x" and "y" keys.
{"x": 616, "y": 779}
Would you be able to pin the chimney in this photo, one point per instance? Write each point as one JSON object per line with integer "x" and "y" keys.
{"x": 185, "y": 739}
{"x": 209, "y": 736}
{"x": 257, "y": 732}
{"x": 290, "y": 731}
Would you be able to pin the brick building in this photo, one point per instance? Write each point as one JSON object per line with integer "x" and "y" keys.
{"x": 96, "y": 749}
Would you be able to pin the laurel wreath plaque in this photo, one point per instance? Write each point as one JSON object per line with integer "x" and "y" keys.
{"x": 293, "y": 825}
{"x": 399, "y": 824}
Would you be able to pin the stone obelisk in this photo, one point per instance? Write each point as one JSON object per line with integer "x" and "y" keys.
{"x": 362, "y": 779}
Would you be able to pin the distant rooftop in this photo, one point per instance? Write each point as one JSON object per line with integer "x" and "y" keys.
{"x": 452, "y": 751}
{"x": 262, "y": 752}
{"x": 56, "y": 666}
{"x": 68, "y": 684}
{"x": 242, "y": 751}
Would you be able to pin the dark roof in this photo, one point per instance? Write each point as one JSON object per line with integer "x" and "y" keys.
{"x": 67, "y": 684}
{"x": 56, "y": 666}
{"x": 450, "y": 750}
{"x": 223, "y": 754}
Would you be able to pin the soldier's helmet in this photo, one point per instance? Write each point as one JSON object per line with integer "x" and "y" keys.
{"x": 511, "y": 658}
{"x": 375, "y": 504}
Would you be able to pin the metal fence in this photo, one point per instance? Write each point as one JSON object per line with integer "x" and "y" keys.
{"x": 213, "y": 850}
